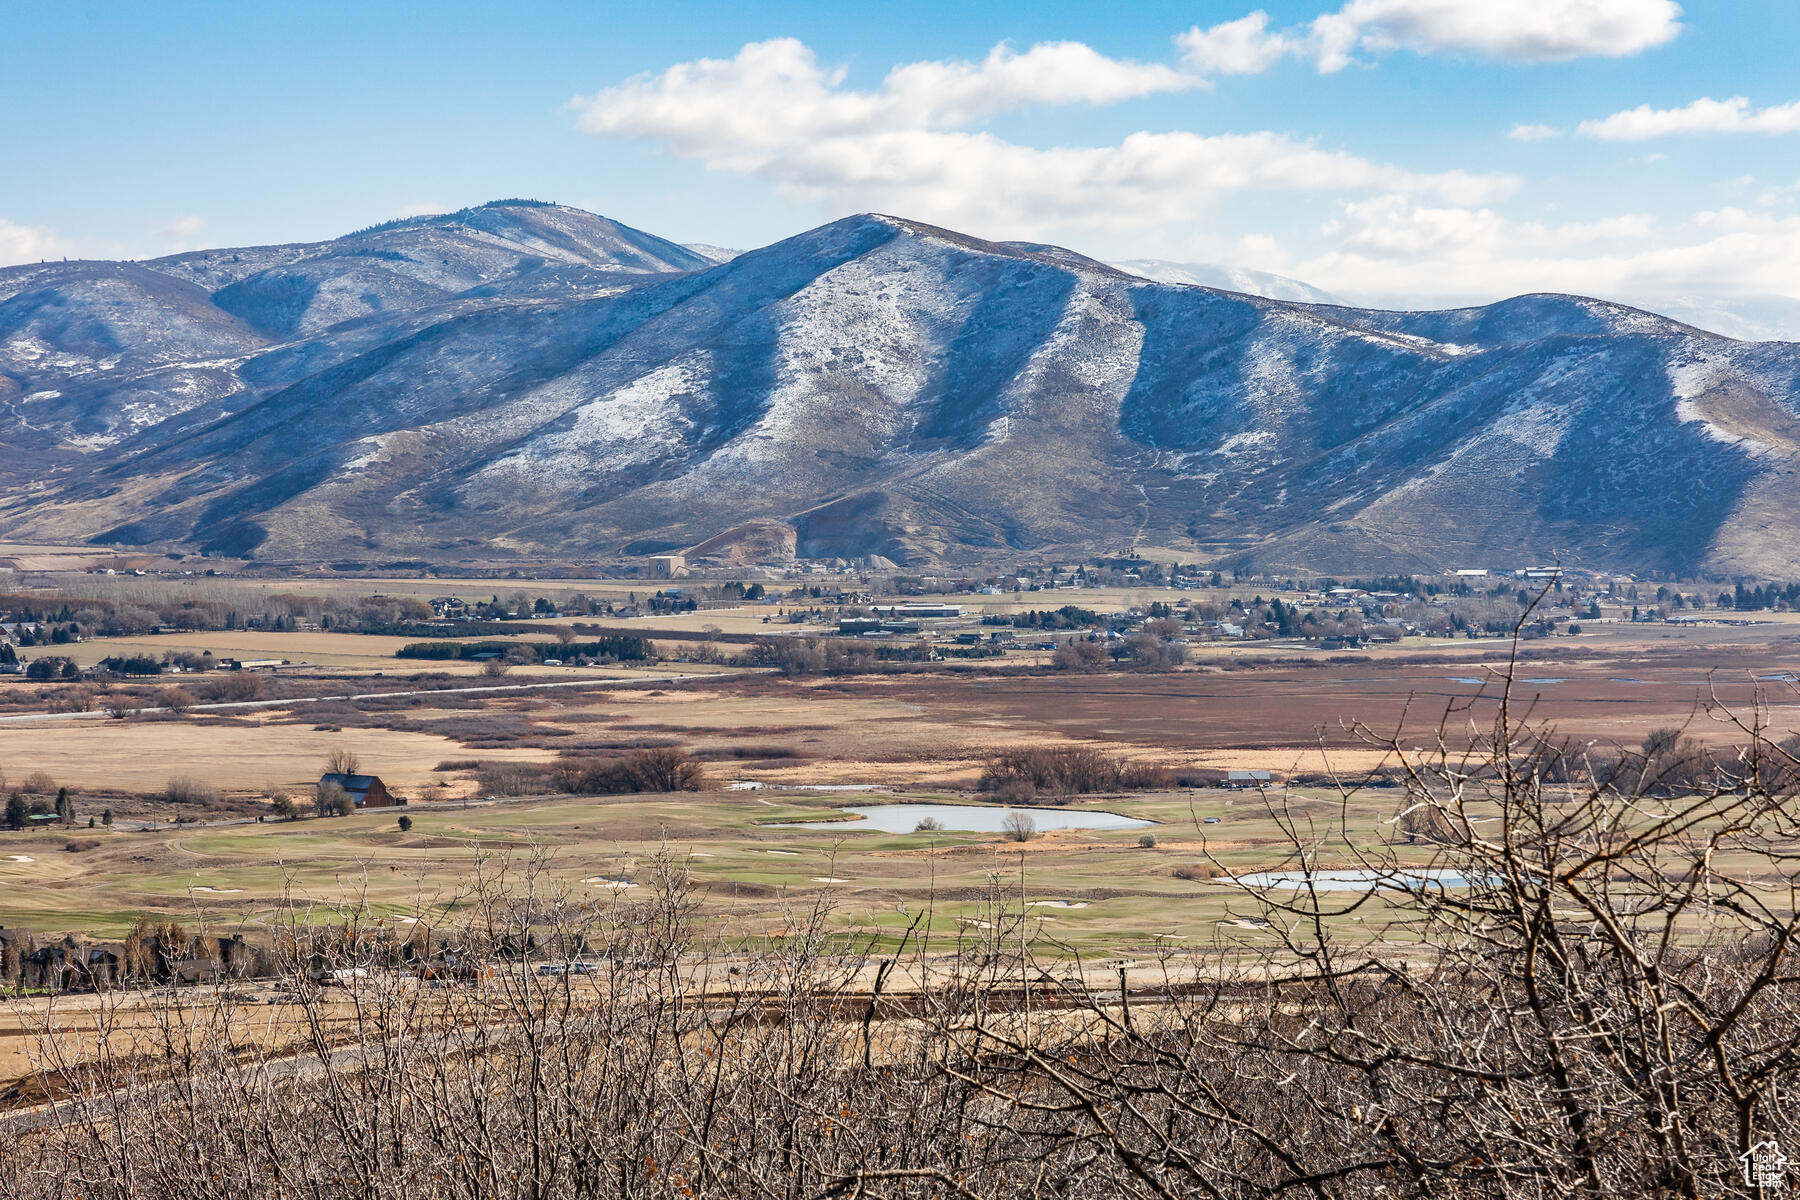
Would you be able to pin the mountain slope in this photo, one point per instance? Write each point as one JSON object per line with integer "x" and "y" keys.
{"x": 558, "y": 388}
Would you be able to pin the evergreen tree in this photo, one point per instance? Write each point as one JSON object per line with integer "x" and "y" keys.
{"x": 15, "y": 812}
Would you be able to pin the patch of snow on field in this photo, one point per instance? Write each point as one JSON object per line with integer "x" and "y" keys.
{"x": 372, "y": 450}
{"x": 1538, "y": 427}
{"x": 1240, "y": 443}
{"x": 638, "y": 423}
{"x": 1691, "y": 381}
{"x": 867, "y": 320}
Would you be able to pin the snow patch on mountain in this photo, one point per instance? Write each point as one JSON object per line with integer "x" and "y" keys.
{"x": 1245, "y": 280}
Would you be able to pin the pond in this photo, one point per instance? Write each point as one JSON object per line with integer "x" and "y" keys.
{"x": 967, "y": 818}
{"x": 1356, "y": 880}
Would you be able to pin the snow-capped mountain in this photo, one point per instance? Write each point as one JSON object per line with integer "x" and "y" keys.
{"x": 1230, "y": 279}
{"x": 538, "y": 382}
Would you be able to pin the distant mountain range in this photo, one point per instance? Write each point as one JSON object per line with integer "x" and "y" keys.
{"x": 528, "y": 381}
{"x": 1229, "y": 279}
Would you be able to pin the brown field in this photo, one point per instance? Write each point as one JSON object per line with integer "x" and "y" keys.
{"x": 337, "y": 653}
{"x": 1281, "y": 712}
{"x": 236, "y": 754}
{"x": 924, "y": 734}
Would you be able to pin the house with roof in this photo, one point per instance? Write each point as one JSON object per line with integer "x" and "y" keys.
{"x": 365, "y": 791}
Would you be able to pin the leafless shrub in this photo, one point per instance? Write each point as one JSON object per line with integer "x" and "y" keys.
{"x": 176, "y": 700}
{"x": 330, "y": 799}
{"x": 78, "y": 698}
{"x": 1070, "y": 770}
{"x": 1019, "y": 826}
{"x": 1145, "y": 777}
{"x": 657, "y": 769}
{"x": 235, "y": 687}
{"x": 1079, "y": 656}
{"x": 510, "y": 779}
{"x": 1015, "y": 791}
{"x": 928, "y": 825}
{"x": 1423, "y": 820}
{"x": 184, "y": 790}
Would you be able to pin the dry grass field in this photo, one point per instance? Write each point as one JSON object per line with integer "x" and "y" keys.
{"x": 1098, "y": 891}
{"x": 925, "y": 734}
{"x": 236, "y": 754}
{"x": 1283, "y": 712}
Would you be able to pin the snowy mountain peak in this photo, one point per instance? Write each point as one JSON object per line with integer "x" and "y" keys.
{"x": 530, "y": 380}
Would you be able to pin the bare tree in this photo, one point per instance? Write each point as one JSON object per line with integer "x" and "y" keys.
{"x": 342, "y": 761}
{"x": 1019, "y": 826}
{"x": 329, "y": 798}
{"x": 186, "y": 790}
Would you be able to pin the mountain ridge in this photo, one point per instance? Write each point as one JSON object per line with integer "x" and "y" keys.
{"x": 521, "y": 381}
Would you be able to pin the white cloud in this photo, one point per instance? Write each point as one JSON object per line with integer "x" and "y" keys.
{"x": 1772, "y": 196}
{"x": 1533, "y": 133}
{"x": 26, "y": 243}
{"x": 1395, "y": 226}
{"x": 1392, "y": 250}
{"x": 182, "y": 228}
{"x": 956, "y": 93}
{"x": 1241, "y": 47}
{"x": 1523, "y": 31}
{"x": 776, "y": 93}
{"x": 1518, "y": 31}
{"x": 775, "y": 112}
{"x": 1704, "y": 115}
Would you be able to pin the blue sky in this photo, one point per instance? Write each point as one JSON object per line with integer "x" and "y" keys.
{"x": 1390, "y": 151}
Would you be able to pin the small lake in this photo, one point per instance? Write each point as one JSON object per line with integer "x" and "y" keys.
{"x": 967, "y": 818}
{"x": 1357, "y": 880}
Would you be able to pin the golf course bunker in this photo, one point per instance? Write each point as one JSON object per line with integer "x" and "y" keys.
{"x": 967, "y": 818}
{"x": 1356, "y": 879}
